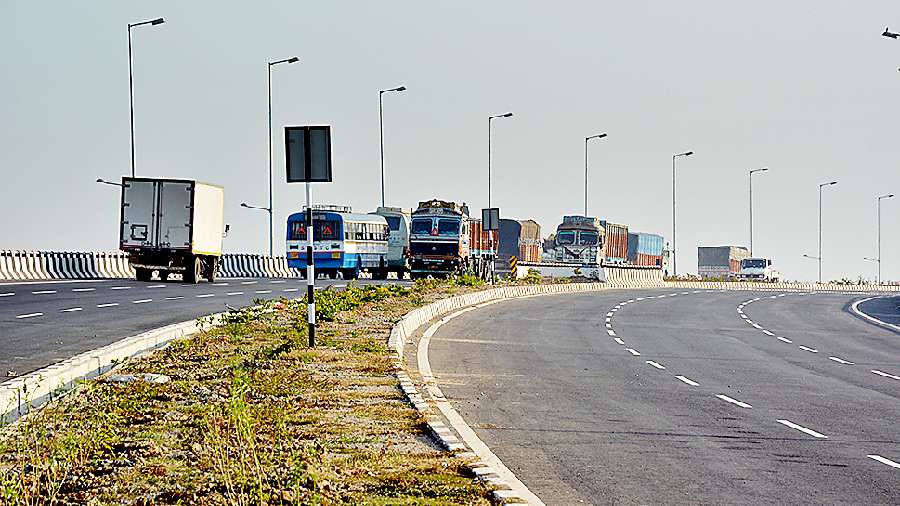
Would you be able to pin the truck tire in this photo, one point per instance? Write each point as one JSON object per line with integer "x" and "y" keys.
{"x": 194, "y": 271}
{"x": 142, "y": 274}
{"x": 211, "y": 270}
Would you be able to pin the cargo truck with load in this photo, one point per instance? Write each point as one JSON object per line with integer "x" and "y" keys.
{"x": 723, "y": 262}
{"x": 645, "y": 249}
{"x": 439, "y": 239}
{"x": 521, "y": 239}
{"x": 579, "y": 239}
{"x": 172, "y": 226}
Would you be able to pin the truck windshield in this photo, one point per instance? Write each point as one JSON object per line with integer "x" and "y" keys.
{"x": 448, "y": 227}
{"x": 754, "y": 263}
{"x": 587, "y": 239}
{"x": 565, "y": 238}
{"x": 421, "y": 226}
{"x": 393, "y": 222}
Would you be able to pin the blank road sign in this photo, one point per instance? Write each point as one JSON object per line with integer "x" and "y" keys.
{"x": 308, "y": 154}
{"x": 490, "y": 218}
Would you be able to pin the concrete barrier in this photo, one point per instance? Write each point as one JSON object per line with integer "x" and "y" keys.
{"x": 784, "y": 287}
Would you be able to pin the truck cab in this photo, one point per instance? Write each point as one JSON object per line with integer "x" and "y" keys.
{"x": 758, "y": 269}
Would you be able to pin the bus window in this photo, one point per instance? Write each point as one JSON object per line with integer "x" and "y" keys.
{"x": 298, "y": 231}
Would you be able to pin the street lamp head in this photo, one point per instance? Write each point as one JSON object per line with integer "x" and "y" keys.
{"x": 887, "y": 196}
{"x": 158, "y": 21}
{"x": 887, "y": 33}
{"x": 293, "y": 60}
{"x": 100, "y": 180}
{"x": 507, "y": 115}
{"x": 401, "y": 88}
{"x": 689, "y": 153}
{"x": 244, "y": 204}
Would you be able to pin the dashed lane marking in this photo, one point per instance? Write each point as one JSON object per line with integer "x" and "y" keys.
{"x": 884, "y": 461}
{"x": 291, "y": 289}
{"x": 250, "y": 282}
{"x": 840, "y": 360}
{"x": 688, "y": 381}
{"x": 619, "y": 341}
{"x": 264, "y": 291}
{"x": 120, "y": 288}
{"x": 607, "y": 314}
{"x": 655, "y": 364}
{"x": 110, "y": 304}
{"x": 811, "y": 350}
{"x": 733, "y": 401}
{"x": 43, "y": 292}
{"x": 633, "y": 352}
{"x": 29, "y": 315}
{"x": 240, "y": 293}
{"x": 83, "y": 289}
{"x": 8, "y": 294}
{"x": 177, "y": 297}
{"x": 282, "y": 281}
{"x": 611, "y": 332}
{"x": 884, "y": 374}
{"x": 205, "y": 295}
{"x": 766, "y": 332}
{"x": 785, "y": 340}
{"x": 163, "y": 286}
{"x": 71, "y": 310}
{"x": 803, "y": 429}
{"x": 141, "y": 301}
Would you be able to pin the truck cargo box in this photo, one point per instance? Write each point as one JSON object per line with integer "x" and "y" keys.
{"x": 720, "y": 261}
{"x": 616, "y": 247}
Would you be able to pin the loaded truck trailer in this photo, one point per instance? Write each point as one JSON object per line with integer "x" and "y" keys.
{"x": 720, "y": 261}
{"x": 172, "y": 226}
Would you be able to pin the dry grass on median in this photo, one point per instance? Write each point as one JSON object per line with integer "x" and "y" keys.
{"x": 251, "y": 416}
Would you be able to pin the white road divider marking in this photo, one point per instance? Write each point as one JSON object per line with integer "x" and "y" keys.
{"x": 29, "y": 315}
{"x": 141, "y": 301}
{"x": 608, "y": 325}
{"x": 885, "y": 461}
{"x": 43, "y": 292}
{"x": 240, "y": 293}
{"x": 801, "y": 428}
{"x": 8, "y": 294}
{"x": 252, "y": 282}
{"x": 766, "y": 332}
{"x": 205, "y": 295}
{"x": 178, "y": 297}
{"x": 268, "y": 291}
{"x": 163, "y": 286}
{"x": 226, "y": 284}
{"x": 617, "y": 340}
{"x": 779, "y": 338}
{"x": 608, "y": 315}
{"x": 282, "y": 281}
{"x": 292, "y": 289}
{"x": 120, "y": 288}
{"x": 71, "y": 310}
{"x": 111, "y": 304}
{"x": 655, "y": 364}
{"x": 733, "y": 401}
{"x": 811, "y": 350}
{"x": 633, "y": 352}
{"x": 886, "y": 375}
{"x": 92, "y": 289}
{"x": 688, "y": 381}
{"x": 611, "y": 332}
{"x": 840, "y": 360}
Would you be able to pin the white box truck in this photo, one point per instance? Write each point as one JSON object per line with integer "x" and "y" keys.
{"x": 172, "y": 226}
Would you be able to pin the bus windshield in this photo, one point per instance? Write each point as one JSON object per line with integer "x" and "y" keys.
{"x": 421, "y": 226}
{"x": 565, "y": 238}
{"x": 393, "y": 222}
{"x": 325, "y": 230}
{"x": 587, "y": 239}
{"x": 448, "y": 227}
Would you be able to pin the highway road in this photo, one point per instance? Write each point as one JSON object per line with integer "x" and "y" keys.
{"x": 682, "y": 397}
{"x": 44, "y": 322}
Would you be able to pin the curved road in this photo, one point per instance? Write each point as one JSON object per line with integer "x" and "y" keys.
{"x": 682, "y": 397}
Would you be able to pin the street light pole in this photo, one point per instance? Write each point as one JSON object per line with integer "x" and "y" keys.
{"x": 819, "y": 258}
{"x": 491, "y": 233}
{"x": 153, "y": 22}
{"x": 586, "y": 139}
{"x": 686, "y": 153}
{"x": 879, "y": 280}
{"x": 271, "y": 198}
{"x": 751, "y": 205}
{"x": 381, "y": 132}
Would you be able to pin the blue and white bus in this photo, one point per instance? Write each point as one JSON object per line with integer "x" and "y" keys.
{"x": 342, "y": 242}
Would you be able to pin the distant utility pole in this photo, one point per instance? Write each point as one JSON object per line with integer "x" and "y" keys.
{"x": 381, "y": 131}
{"x": 490, "y": 153}
{"x": 586, "y": 139}
{"x": 152, "y": 22}
{"x": 751, "y": 205}
{"x": 271, "y": 197}
{"x": 819, "y": 258}
{"x": 879, "y": 280}
{"x": 686, "y": 153}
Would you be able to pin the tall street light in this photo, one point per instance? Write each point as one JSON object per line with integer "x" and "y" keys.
{"x": 152, "y": 22}
{"x": 103, "y": 181}
{"x": 490, "y": 135}
{"x": 887, "y": 33}
{"x": 381, "y": 131}
{"x": 674, "y": 157}
{"x": 586, "y": 139}
{"x": 751, "y": 205}
{"x": 879, "y": 232}
{"x": 271, "y": 204}
{"x": 819, "y": 258}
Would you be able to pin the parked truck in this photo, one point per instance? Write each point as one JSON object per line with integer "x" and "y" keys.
{"x": 579, "y": 239}
{"x": 616, "y": 244}
{"x": 645, "y": 249}
{"x": 172, "y": 226}
{"x": 439, "y": 239}
{"x": 720, "y": 261}
{"x": 758, "y": 269}
{"x": 398, "y": 220}
{"x": 521, "y": 239}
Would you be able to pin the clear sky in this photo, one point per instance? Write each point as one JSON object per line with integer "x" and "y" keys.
{"x": 807, "y": 88}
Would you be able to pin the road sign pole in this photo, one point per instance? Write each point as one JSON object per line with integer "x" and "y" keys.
{"x": 310, "y": 270}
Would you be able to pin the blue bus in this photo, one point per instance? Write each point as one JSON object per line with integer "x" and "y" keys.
{"x": 342, "y": 242}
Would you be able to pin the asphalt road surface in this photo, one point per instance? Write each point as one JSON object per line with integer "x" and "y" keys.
{"x": 682, "y": 397}
{"x": 44, "y": 322}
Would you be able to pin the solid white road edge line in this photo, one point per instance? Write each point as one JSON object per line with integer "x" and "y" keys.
{"x": 457, "y": 422}
{"x": 884, "y": 374}
{"x": 883, "y": 460}
{"x": 793, "y": 425}
{"x": 688, "y": 381}
{"x": 733, "y": 401}
{"x": 855, "y": 309}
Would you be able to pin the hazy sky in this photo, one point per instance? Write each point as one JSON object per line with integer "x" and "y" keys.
{"x": 807, "y": 88}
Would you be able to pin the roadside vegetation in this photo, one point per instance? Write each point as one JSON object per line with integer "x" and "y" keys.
{"x": 250, "y": 415}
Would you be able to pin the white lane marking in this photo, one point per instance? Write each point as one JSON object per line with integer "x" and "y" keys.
{"x": 177, "y": 297}
{"x": 163, "y": 286}
{"x": 855, "y": 308}
{"x": 733, "y": 401}
{"x": 120, "y": 288}
{"x": 886, "y": 375}
{"x": 655, "y": 364}
{"x": 633, "y": 352}
{"x": 344, "y": 285}
{"x": 671, "y": 295}
{"x": 811, "y": 350}
{"x": 608, "y": 315}
{"x": 608, "y": 319}
{"x": 803, "y": 429}
{"x": 840, "y": 360}
{"x": 205, "y": 295}
{"x": 766, "y": 332}
{"x": 619, "y": 341}
{"x": 639, "y": 298}
{"x": 282, "y": 281}
{"x": 611, "y": 332}
{"x": 695, "y": 291}
{"x": 251, "y": 282}
{"x": 779, "y": 338}
{"x": 742, "y": 314}
{"x": 292, "y": 289}
{"x": 8, "y": 294}
{"x": 754, "y": 324}
{"x": 29, "y": 315}
{"x": 613, "y": 310}
{"x": 111, "y": 304}
{"x": 885, "y": 461}
{"x": 220, "y": 284}
{"x": 43, "y": 292}
{"x": 608, "y": 325}
{"x": 782, "y": 295}
{"x": 92, "y": 289}
{"x": 72, "y": 310}
{"x": 688, "y": 381}
{"x": 240, "y": 293}
{"x": 266, "y": 291}
{"x": 772, "y": 297}
{"x": 682, "y": 293}
{"x": 627, "y": 302}
{"x": 141, "y": 301}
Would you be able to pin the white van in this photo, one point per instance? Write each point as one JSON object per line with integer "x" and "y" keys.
{"x": 398, "y": 220}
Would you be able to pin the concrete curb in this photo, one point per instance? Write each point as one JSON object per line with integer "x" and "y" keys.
{"x": 783, "y": 287}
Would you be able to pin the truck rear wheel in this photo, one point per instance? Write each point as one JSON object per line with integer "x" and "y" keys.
{"x": 211, "y": 270}
{"x": 194, "y": 271}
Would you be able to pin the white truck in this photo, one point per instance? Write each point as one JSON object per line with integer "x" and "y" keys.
{"x": 758, "y": 269}
{"x": 172, "y": 226}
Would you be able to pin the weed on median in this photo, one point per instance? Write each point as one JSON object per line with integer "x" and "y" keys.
{"x": 251, "y": 415}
